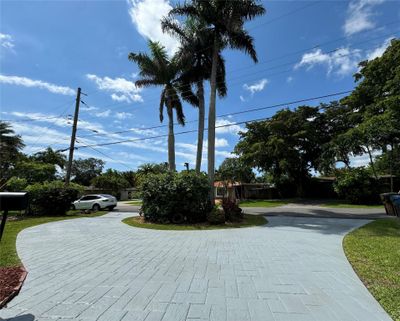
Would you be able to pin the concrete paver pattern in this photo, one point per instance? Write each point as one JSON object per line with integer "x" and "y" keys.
{"x": 101, "y": 269}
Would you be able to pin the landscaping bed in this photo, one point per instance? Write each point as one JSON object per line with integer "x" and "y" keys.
{"x": 11, "y": 280}
{"x": 248, "y": 221}
{"x": 374, "y": 252}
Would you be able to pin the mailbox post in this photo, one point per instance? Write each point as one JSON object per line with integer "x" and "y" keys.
{"x": 11, "y": 202}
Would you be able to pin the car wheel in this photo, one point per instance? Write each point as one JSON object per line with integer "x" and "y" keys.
{"x": 96, "y": 207}
{"x": 110, "y": 208}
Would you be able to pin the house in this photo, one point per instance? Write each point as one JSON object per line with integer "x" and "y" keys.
{"x": 238, "y": 190}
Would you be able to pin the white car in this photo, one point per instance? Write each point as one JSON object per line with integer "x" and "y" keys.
{"x": 95, "y": 202}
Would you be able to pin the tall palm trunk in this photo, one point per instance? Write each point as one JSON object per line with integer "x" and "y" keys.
{"x": 211, "y": 121}
{"x": 200, "y": 134}
{"x": 171, "y": 139}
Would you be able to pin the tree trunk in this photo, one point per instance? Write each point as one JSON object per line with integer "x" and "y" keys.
{"x": 211, "y": 121}
{"x": 200, "y": 134}
{"x": 372, "y": 162}
{"x": 171, "y": 140}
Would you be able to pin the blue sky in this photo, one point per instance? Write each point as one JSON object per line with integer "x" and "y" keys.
{"x": 49, "y": 48}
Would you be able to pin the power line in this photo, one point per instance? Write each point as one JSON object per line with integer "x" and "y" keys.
{"x": 104, "y": 154}
{"x": 229, "y": 114}
{"x": 220, "y": 126}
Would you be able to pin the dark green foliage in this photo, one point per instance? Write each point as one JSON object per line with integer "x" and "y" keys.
{"x": 234, "y": 170}
{"x": 50, "y": 156}
{"x": 35, "y": 172}
{"x": 15, "y": 184}
{"x": 357, "y": 186}
{"x": 216, "y": 216}
{"x": 175, "y": 197}
{"x": 84, "y": 170}
{"x": 111, "y": 180}
{"x": 52, "y": 198}
{"x": 10, "y": 147}
{"x": 287, "y": 146}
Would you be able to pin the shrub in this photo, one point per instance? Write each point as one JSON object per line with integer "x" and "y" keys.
{"x": 216, "y": 216}
{"x": 16, "y": 184}
{"x": 233, "y": 212}
{"x": 175, "y": 197}
{"x": 52, "y": 198}
{"x": 357, "y": 186}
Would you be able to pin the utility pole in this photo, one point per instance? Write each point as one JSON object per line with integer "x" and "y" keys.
{"x": 73, "y": 137}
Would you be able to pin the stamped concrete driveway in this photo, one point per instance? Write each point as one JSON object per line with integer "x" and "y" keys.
{"x": 101, "y": 269}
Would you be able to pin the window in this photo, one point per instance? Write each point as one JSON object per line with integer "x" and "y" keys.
{"x": 221, "y": 191}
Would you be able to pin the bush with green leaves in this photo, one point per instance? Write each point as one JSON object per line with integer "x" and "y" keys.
{"x": 16, "y": 184}
{"x": 175, "y": 197}
{"x": 357, "y": 186}
{"x": 52, "y": 198}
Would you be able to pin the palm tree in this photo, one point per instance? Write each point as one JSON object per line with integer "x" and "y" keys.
{"x": 195, "y": 54}
{"x": 10, "y": 146}
{"x": 158, "y": 70}
{"x": 224, "y": 19}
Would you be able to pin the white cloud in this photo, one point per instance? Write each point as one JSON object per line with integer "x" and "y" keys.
{"x": 221, "y": 142}
{"x": 341, "y": 62}
{"x": 257, "y": 86}
{"x": 104, "y": 114}
{"x": 228, "y": 127}
{"x": 289, "y": 79}
{"x": 146, "y": 15}
{"x": 59, "y": 121}
{"x": 121, "y": 88}
{"x": 6, "y": 41}
{"x": 27, "y": 82}
{"x": 120, "y": 98}
{"x": 378, "y": 52}
{"x": 359, "y": 16}
{"x": 242, "y": 99}
{"x": 123, "y": 115}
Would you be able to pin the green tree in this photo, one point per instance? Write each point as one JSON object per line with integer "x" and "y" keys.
{"x": 150, "y": 168}
{"x": 35, "y": 172}
{"x": 10, "y": 150}
{"x": 224, "y": 19}
{"x": 235, "y": 170}
{"x": 286, "y": 147}
{"x": 375, "y": 103}
{"x": 112, "y": 180}
{"x": 50, "y": 156}
{"x": 84, "y": 170}
{"x": 195, "y": 55}
{"x": 158, "y": 70}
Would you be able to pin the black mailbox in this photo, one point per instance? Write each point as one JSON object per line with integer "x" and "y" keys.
{"x": 11, "y": 202}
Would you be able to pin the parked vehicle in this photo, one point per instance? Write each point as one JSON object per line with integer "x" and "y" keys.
{"x": 95, "y": 202}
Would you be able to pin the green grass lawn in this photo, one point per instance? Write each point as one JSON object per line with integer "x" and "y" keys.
{"x": 344, "y": 204}
{"x": 8, "y": 251}
{"x": 249, "y": 220}
{"x": 374, "y": 252}
{"x": 137, "y": 202}
{"x": 263, "y": 203}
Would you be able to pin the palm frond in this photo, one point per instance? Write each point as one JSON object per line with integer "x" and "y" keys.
{"x": 146, "y": 82}
{"x": 240, "y": 39}
{"x": 162, "y": 103}
{"x": 172, "y": 27}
